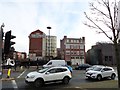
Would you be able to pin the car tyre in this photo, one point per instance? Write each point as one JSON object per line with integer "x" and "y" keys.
{"x": 113, "y": 76}
{"x": 99, "y": 77}
{"x": 38, "y": 83}
{"x": 65, "y": 80}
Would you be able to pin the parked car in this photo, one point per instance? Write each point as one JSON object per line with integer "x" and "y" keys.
{"x": 69, "y": 67}
{"x": 101, "y": 72}
{"x": 92, "y": 67}
{"x": 82, "y": 66}
{"x": 52, "y": 74}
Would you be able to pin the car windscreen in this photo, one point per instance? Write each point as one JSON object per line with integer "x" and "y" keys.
{"x": 97, "y": 69}
{"x": 43, "y": 70}
{"x": 92, "y": 67}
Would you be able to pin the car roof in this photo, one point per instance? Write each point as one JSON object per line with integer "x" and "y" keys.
{"x": 105, "y": 67}
{"x": 97, "y": 66}
{"x": 59, "y": 67}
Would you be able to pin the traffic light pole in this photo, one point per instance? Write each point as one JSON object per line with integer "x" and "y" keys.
{"x": 1, "y": 46}
{"x": 1, "y": 43}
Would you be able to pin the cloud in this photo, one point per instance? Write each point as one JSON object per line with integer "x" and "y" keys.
{"x": 64, "y": 16}
{"x": 20, "y": 18}
{"x": 55, "y": 1}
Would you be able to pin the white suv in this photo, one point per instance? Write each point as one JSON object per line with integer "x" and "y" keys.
{"x": 49, "y": 75}
{"x": 101, "y": 72}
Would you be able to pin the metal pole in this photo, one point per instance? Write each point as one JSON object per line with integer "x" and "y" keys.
{"x": 1, "y": 43}
{"x": 49, "y": 44}
{"x": 49, "y": 40}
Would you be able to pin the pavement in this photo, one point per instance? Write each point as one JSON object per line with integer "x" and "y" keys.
{"x": 4, "y": 74}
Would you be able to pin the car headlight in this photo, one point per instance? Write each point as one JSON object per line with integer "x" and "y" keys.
{"x": 93, "y": 73}
{"x": 32, "y": 76}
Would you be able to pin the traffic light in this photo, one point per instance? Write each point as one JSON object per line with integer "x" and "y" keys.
{"x": 8, "y": 42}
{"x": 1, "y": 28}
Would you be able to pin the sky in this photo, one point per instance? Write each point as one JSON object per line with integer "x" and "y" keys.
{"x": 66, "y": 17}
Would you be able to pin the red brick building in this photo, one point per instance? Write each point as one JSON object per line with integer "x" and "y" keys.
{"x": 37, "y": 45}
{"x": 73, "y": 50}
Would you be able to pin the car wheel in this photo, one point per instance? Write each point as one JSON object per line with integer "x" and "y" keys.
{"x": 99, "y": 77}
{"x": 38, "y": 83}
{"x": 66, "y": 80}
{"x": 113, "y": 76}
{"x": 87, "y": 78}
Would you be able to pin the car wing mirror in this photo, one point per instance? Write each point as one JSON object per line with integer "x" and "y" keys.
{"x": 102, "y": 71}
{"x": 47, "y": 72}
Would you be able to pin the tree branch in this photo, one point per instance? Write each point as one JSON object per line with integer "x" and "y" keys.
{"x": 97, "y": 26}
{"x": 94, "y": 8}
{"x": 112, "y": 24}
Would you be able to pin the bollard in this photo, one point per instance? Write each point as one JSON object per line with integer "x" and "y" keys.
{"x": 9, "y": 72}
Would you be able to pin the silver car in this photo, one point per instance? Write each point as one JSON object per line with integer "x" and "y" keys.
{"x": 92, "y": 67}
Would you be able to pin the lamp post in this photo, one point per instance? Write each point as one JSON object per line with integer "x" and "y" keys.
{"x": 49, "y": 40}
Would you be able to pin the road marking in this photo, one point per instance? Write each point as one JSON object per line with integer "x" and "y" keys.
{"x": 21, "y": 74}
{"x": 14, "y": 84}
{"x": 77, "y": 87}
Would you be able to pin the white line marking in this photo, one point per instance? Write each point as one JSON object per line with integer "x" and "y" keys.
{"x": 14, "y": 84}
{"x": 21, "y": 74}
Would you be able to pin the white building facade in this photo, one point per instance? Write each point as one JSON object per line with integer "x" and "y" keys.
{"x": 51, "y": 46}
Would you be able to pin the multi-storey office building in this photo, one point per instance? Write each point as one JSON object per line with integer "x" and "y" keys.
{"x": 42, "y": 46}
{"x": 37, "y": 45}
{"x": 51, "y": 46}
{"x": 73, "y": 50}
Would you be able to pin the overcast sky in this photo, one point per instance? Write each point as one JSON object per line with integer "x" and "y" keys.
{"x": 66, "y": 17}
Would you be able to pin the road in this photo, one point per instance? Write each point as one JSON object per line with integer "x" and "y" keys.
{"x": 77, "y": 79}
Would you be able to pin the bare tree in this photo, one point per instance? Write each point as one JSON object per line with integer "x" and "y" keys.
{"x": 103, "y": 18}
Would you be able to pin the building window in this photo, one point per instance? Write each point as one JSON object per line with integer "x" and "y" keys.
{"x": 72, "y": 57}
{"x": 67, "y": 52}
{"x": 110, "y": 58}
{"x": 81, "y": 57}
{"x": 77, "y": 41}
{"x": 71, "y": 41}
{"x": 106, "y": 58}
{"x": 67, "y": 46}
{"x": 67, "y": 40}
{"x": 72, "y": 53}
{"x": 77, "y": 57}
{"x": 81, "y": 52}
{"x": 81, "y": 46}
{"x": 77, "y": 52}
{"x": 77, "y": 46}
{"x": 72, "y": 47}
{"x": 81, "y": 41}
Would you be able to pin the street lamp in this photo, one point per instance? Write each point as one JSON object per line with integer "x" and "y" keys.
{"x": 49, "y": 40}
